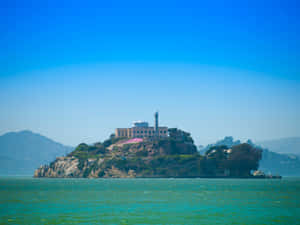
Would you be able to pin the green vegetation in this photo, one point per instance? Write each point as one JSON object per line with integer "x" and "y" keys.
{"x": 84, "y": 151}
{"x": 237, "y": 161}
{"x": 180, "y": 135}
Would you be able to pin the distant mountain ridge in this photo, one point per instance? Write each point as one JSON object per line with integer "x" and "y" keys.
{"x": 22, "y": 152}
{"x": 289, "y": 145}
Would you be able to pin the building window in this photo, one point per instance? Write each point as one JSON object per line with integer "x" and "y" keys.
{"x": 141, "y": 132}
{"x": 160, "y": 131}
{"x": 138, "y": 132}
{"x": 165, "y": 131}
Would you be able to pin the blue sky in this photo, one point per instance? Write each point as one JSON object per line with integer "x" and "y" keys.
{"x": 75, "y": 70}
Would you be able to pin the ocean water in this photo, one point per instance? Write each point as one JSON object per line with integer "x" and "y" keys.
{"x": 149, "y": 201}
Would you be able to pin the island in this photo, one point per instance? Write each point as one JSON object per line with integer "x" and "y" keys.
{"x": 173, "y": 156}
{"x": 154, "y": 152}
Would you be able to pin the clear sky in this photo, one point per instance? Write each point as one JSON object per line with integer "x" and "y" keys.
{"x": 75, "y": 70}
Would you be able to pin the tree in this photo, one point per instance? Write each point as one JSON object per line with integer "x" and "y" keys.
{"x": 242, "y": 159}
{"x": 180, "y": 135}
{"x": 82, "y": 147}
{"x": 216, "y": 158}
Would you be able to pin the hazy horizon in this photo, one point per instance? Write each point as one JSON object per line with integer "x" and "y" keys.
{"x": 256, "y": 141}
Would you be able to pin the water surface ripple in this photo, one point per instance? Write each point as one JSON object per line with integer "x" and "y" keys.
{"x": 149, "y": 201}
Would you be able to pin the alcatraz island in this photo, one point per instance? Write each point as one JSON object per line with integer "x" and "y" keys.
{"x": 143, "y": 151}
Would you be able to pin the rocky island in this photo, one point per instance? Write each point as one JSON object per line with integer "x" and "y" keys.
{"x": 165, "y": 157}
{"x": 154, "y": 152}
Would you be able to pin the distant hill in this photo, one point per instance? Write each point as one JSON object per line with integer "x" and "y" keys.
{"x": 22, "y": 152}
{"x": 272, "y": 160}
{"x": 283, "y": 164}
{"x": 283, "y": 145}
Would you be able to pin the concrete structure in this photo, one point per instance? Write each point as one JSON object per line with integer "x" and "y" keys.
{"x": 141, "y": 129}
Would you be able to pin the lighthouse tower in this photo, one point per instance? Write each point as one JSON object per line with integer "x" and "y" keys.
{"x": 156, "y": 131}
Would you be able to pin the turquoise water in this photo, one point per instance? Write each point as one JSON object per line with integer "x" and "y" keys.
{"x": 149, "y": 201}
